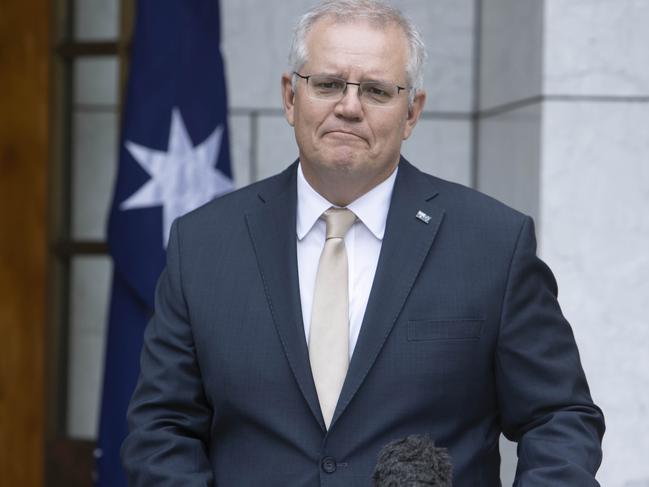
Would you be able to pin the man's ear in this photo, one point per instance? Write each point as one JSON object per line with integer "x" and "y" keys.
{"x": 414, "y": 112}
{"x": 288, "y": 97}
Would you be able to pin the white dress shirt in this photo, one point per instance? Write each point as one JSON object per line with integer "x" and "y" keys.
{"x": 363, "y": 243}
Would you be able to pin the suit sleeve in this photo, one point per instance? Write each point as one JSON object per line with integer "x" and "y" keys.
{"x": 169, "y": 416}
{"x": 544, "y": 398}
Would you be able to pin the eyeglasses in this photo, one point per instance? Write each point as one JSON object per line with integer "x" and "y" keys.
{"x": 331, "y": 88}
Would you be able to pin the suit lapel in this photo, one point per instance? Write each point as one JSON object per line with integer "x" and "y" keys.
{"x": 405, "y": 246}
{"x": 272, "y": 230}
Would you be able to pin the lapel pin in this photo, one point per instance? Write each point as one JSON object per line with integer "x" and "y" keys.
{"x": 422, "y": 216}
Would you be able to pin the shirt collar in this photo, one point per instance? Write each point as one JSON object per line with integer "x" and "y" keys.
{"x": 371, "y": 208}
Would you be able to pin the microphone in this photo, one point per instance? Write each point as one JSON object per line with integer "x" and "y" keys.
{"x": 414, "y": 461}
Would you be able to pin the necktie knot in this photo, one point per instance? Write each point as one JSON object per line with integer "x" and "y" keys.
{"x": 339, "y": 221}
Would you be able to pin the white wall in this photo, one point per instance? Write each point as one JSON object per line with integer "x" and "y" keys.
{"x": 569, "y": 144}
{"x": 595, "y": 209}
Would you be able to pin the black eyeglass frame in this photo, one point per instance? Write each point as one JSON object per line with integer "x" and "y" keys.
{"x": 306, "y": 78}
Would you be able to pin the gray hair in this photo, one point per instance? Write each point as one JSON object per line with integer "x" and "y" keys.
{"x": 373, "y": 11}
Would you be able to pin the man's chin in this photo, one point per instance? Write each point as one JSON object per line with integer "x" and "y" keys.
{"x": 344, "y": 156}
{"x": 344, "y": 165}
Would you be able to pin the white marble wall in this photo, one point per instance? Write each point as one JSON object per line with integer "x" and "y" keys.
{"x": 596, "y": 47}
{"x": 511, "y": 51}
{"x": 595, "y": 209}
{"x": 441, "y": 147}
{"x": 509, "y": 157}
{"x": 596, "y": 238}
{"x": 578, "y": 161}
{"x": 595, "y": 182}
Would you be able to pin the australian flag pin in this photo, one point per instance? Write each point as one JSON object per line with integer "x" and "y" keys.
{"x": 422, "y": 216}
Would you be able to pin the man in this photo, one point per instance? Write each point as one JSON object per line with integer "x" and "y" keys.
{"x": 307, "y": 320}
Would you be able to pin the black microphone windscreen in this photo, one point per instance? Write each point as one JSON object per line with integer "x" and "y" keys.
{"x": 414, "y": 461}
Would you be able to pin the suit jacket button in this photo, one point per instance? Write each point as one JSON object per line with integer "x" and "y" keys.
{"x": 329, "y": 464}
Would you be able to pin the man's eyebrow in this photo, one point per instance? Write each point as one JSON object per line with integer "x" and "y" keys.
{"x": 365, "y": 79}
{"x": 333, "y": 74}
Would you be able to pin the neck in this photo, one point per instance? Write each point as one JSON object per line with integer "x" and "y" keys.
{"x": 341, "y": 186}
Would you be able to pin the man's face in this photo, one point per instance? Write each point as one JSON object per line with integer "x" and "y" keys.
{"x": 349, "y": 137}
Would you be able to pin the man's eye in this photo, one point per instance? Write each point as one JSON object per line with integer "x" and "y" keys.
{"x": 329, "y": 85}
{"x": 378, "y": 91}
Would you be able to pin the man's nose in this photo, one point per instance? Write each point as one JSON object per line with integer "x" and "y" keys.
{"x": 350, "y": 105}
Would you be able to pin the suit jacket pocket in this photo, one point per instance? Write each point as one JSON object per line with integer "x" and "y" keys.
{"x": 450, "y": 329}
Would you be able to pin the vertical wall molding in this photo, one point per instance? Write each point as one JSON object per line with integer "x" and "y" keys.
{"x": 24, "y": 93}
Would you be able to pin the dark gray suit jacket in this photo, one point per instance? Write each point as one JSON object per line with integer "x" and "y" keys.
{"x": 462, "y": 338}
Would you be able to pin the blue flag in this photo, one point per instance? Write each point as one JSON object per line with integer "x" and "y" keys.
{"x": 174, "y": 156}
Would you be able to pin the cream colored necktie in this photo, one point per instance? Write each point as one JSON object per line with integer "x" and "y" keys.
{"x": 329, "y": 332}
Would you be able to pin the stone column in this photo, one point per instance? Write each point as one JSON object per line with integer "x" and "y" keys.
{"x": 564, "y": 136}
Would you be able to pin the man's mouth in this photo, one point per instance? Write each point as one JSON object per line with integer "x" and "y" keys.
{"x": 344, "y": 134}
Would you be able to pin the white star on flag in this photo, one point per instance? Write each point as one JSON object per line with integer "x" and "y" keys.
{"x": 183, "y": 178}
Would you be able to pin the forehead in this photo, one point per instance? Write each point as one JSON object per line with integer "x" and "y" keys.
{"x": 358, "y": 45}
